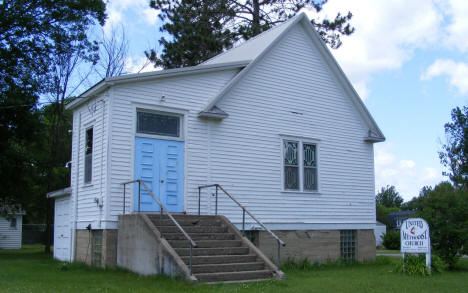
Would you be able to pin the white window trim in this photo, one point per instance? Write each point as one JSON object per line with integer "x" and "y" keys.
{"x": 90, "y": 182}
{"x": 181, "y": 116}
{"x": 300, "y": 141}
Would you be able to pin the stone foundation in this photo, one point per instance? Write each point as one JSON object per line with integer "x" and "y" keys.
{"x": 315, "y": 245}
{"x": 86, "y": 247}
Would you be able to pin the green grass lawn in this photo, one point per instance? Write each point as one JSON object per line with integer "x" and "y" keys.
{"x": 29, "y": 270}
{"x": 388, "y": 251}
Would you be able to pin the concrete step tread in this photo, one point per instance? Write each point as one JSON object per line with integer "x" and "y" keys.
{"x": 233, "y": 276}
{"x": 222, "y": 251}
{"x": 181, "y": 216}
{"x": 206, "y": 243}
{"x": 219, "y": 259}
{"x": 193, "y": 229}
{"x": 186, "y": 221}
{"x": 228, "y": 267}
{"x": 200, "y": 236}
{"x": 239, "y": 281}
{"x": 229, "y": 264}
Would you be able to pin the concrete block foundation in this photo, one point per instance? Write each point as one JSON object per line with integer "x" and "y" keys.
{"x": 315, "y": 245}
{"x": 96, "y": 247}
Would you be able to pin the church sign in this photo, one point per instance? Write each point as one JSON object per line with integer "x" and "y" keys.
{"x": 415, "y": 238}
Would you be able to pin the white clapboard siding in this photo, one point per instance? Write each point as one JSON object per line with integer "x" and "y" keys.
{"x": 245, "y": 149}
{"x": 290, "y": 92}
{"x": 92, "y": 114}
{"x": 10, "y": 238}
{"x": 188, "y": 93}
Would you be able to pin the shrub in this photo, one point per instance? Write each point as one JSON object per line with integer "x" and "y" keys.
{"x": 391, "y": 239}
{"x": 445, "y": 208}
{"x": 415, "y": 265}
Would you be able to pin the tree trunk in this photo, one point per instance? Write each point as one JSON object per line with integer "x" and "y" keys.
{"x": 256, "y": 18}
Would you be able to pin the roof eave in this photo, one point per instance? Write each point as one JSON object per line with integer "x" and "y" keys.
{"x": 373, "y": 139}
{"x": 220, "y": 116}
{"x": 61, "y": 192}
{"x": 107, "y": 82}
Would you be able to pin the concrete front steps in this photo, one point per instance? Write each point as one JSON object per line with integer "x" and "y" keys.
{"x": 222, "y": 253}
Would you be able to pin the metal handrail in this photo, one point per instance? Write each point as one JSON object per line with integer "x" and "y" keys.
{"x": 162, "y": 208}
{"x": 244, "y": 210}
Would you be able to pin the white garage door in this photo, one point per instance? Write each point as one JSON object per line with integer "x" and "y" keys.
{"x": 62, "y": 229}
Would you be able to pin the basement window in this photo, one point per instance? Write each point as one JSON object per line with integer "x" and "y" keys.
{"x": 348, "y": 245}
{"x": 96, "y": 247}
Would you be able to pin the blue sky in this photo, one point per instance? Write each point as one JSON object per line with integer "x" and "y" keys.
{"x": 408, "y": 60}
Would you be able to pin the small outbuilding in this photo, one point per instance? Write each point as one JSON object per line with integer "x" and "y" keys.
{"x": 62, "y": 227}
{"x": 379, "y": 231}
{"x": 10, "y": 227}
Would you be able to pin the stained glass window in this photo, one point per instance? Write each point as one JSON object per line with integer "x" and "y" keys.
{"x": 300, "y": 165}
{"x": 291, "y": 167}
{"x": 158, "y": 124}
{"x": 310, "y": 167}
{"x": 88, "y": 164}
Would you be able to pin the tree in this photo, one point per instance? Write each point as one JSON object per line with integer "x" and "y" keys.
{"x": 445, "y": 208}
{"x": 32, "y": 34}
{"x": 113, "y": 53}
{"x": 454, "y": 154}
{"x": 389, "y": 197}
{"x": 200, "y": 29}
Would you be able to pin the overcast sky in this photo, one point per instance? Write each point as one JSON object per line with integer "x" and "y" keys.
{"x": 407, "y": 60}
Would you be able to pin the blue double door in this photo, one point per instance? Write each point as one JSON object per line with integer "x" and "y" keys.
{"x": 160, "y": 164}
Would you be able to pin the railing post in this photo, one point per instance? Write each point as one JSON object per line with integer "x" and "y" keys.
{"x": 139, "y": 185}
{"x": 216, "y": 202}
{"x": 160, "y": 217}
{"x": 243, "y": 221}
{"x": 279, "y": 256}
{"x": 124, "y": 201}
{"x": 190, "y": 259}
{"x": 199, "y": 199}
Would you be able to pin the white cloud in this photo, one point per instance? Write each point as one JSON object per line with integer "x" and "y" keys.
{"x": 405, "y": 175}
{"x": 139, "y": 9}
{"x": 457, "y": 28}
{"x": 457, "y": 73}
{"x": 150, "y": 15}
{"x": 387, "y": 32}
{"x": 138, "y": 65}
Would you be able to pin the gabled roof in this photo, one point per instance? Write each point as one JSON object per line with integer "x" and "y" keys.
{"x": 256, "y": 48}
{"x": 107, "y": 82}
{"x": 249, "y": 50}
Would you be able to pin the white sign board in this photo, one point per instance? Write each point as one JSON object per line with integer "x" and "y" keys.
{"x": 415, "y": 238}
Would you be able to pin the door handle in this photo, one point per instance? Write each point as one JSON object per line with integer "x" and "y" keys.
{"x": 162, "y": 181}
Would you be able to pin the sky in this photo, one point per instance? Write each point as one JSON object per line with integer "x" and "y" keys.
{"x": 408, "y": 60}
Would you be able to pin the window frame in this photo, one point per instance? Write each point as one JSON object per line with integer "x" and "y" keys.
{"x": 14, "y": 223}
{"x": 180, "y": 116}
{"x": 85, "y": 182}
{"x": 300, "y": 142}
{"x": 348, "y": 249}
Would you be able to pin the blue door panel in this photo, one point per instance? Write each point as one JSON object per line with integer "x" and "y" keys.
{"x": 160, "y": 164}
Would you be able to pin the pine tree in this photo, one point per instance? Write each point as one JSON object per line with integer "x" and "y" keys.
{"x": 200, "y": 29}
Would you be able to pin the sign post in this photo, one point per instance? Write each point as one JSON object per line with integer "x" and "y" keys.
{"x": 415, "y": 238}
